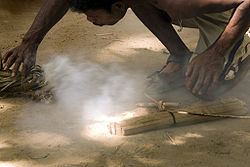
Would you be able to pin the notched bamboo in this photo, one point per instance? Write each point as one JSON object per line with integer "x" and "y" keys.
{"x": 203, "y": 111}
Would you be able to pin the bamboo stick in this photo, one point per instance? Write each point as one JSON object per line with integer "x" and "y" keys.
{"x": 195, "y": 113}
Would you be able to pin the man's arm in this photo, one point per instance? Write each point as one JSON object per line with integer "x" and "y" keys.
{"x": 204, "y": 70}
{"x": 160, "y": 25}
{"x": 51, "y": 12}
{"x": 236, "y": 28}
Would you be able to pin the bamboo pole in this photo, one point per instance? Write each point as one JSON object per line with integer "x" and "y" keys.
{"x": 204, "y": 111}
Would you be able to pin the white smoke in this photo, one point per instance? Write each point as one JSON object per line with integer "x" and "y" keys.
{"x": 91, "y": 88}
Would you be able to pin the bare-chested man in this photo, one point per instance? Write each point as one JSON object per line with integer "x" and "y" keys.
{"x": 222, "y": 25}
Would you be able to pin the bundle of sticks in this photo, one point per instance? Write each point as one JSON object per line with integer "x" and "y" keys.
{"x": 32, "y": 86}
{"x": 164, "y": 115}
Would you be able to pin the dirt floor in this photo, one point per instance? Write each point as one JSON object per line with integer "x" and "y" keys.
{"x": 37, "y": 135}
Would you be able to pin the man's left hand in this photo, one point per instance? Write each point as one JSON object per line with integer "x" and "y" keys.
{"x": 203, "y": 72}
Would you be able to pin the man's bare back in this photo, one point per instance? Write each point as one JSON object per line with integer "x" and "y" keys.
{"x": 183, "y": 9}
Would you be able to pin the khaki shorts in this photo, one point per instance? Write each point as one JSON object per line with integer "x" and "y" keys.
{"x": 210, "y": 28}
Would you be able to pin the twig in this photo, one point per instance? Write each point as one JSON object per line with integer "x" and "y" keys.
{"x": 42, "y": 157}
{"x": 171, "y": 139}
{"x": 151, "y": 98}
{"x": 104, "y": 34}
{"x": 214, "y": 115}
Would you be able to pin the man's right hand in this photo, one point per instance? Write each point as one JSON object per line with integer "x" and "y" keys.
{"x": 23, "y": 54}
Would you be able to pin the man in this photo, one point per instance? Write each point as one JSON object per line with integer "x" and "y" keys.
{"x": 222, "y": 25}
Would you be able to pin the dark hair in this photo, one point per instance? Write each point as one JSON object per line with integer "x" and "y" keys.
{"x": 83, "y": 5}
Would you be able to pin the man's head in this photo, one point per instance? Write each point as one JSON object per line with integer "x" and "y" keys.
{"x": 100, "y": 12}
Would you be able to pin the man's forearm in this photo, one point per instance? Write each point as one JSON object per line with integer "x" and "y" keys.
{"x": 161, "y": 27}
{"x": 235, "y": 30}
{"x": 50, "y": 13}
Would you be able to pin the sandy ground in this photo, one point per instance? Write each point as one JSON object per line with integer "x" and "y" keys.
{"x": 49, "y": 135}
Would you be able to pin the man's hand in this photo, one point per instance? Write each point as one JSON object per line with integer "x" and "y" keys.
{"x": 204, "y": 71}
{"x": 25, "y": 54}
{"x": 50, "y": 13}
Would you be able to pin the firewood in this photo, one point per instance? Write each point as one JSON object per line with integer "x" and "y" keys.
{"x": 203, "y": 111}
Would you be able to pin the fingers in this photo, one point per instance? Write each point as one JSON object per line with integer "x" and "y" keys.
{"x": 206, "y": 83}
{"x": 17, "y": 56}
{"x": 215, "y": 79}
{"x": 16, "y": 67}
{"x": 10, "y": 62}
{"x": 11, "y": 58}
{"x": 203, "y": 72}
{"x": 190, "y": 81}
{"x": 6, "y": 56}
{"x": 189, "y": 69}
{"x": 199, "y": 82}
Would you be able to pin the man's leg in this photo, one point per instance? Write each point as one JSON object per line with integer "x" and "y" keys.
{"x": 236, "y": 58}
{"x": 168, "y": 72}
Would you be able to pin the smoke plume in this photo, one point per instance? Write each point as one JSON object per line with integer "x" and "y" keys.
{"x": 91, "y": 88}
